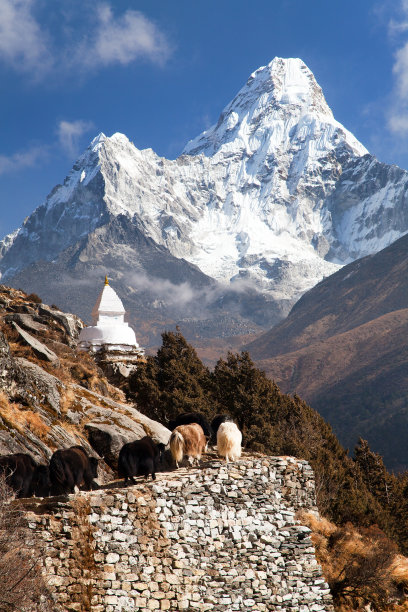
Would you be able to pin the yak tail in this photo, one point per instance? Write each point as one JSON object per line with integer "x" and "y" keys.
{"x": 177, "y": 446}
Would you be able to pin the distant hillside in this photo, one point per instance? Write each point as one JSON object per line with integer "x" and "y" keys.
{"x": 344, "y": 349}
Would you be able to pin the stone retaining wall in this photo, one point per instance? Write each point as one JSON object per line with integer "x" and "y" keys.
{"x": 223, "y": 537}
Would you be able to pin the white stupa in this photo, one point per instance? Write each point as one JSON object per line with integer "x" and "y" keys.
{"x": 109, "y": 330}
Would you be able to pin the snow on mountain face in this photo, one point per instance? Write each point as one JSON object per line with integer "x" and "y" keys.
{"x": 277, "y": 193}
{"x": 280, "y": 101}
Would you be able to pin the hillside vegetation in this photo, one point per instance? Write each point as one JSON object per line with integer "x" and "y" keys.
{"x": 359, "y": 490}
{"x": 57, "y": 399}
{"x": 344, "y": 349}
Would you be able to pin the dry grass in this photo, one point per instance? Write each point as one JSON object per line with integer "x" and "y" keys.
{"x": 84, "y": 551}
{"x": 18, "y": 418}
{"x": 36, "y": 425}
{"x": 69, "y": 400}
{"x": 361, "y": 566}
{"x": 10, "y": 414}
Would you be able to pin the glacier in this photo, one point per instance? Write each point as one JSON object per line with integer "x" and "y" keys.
{"x": 275, "y": 196}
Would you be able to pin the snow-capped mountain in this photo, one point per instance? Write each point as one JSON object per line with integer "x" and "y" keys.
{"x": 275, "y": 196}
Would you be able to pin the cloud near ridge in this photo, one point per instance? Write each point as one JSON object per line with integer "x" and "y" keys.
{"x": 69, "y": 133}
{"x": 22, "y": 159}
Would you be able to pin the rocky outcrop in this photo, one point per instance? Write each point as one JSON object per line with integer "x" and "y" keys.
{"x": 42, "y": 406}
{"x": 112, "y": 424}
{"x": 47, "y": 384}
{"x": 38, "y": 347}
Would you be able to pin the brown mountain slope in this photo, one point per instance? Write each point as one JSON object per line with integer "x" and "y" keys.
{"x": 360, "y": 292}
{"x": 344, "y": 349}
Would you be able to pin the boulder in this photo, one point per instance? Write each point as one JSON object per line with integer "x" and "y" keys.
{"x": 27, "y": 321}
{"x": 38, "y": 347}
{"x": 110, "y": 424}
{"x": 107, "y": 440}
{"x": 50, "y": 386}
{"x": 70, "y": 322}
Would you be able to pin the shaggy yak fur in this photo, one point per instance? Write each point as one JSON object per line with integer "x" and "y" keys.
{"x": 139, "y": 458}
{"x": 187, "y": 440}
{"x": 229, "y": 440}
{"x": 24, "y": 476}
{"x": 72, "y": 467}
{"x": 186, "y": 418}
{"x": 216, "y": 422}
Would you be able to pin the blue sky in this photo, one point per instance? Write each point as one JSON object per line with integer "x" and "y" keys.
{"x": 161, "y": 71}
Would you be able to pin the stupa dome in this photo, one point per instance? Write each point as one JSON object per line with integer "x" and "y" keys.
{"x": 109, "y": 330}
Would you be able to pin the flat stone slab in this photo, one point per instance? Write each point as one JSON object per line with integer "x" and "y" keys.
{"x": 50, "y": 385}
{"x": 27, "y": 321}
{"x": 38, "y": 347}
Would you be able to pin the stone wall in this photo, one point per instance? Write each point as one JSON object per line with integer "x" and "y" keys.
{"x": 222, "y": 537}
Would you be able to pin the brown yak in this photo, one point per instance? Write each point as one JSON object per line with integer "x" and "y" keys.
{"x": 188, "y": 440}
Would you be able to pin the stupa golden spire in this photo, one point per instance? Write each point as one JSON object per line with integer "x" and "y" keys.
{"x": 106, "y": 280}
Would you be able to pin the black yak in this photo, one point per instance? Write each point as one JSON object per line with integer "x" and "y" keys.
{"x": 139, "y": 458}
{"x": 72, "y": 467}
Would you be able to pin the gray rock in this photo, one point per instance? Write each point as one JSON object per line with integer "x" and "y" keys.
{"x": 70, "y": 322}
{"x": 112, "y": 424}
{"x": 107, "y": 440}
{"x": 7, "y": 363}
{"x": 38, "y": 347}
{"x": 26, "y": 320}
{"x": 48, "y": 384}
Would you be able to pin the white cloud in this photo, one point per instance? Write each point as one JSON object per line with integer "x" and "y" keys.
{"x": 23, "y": 44}
{"x": 69, "y": 133}
{"x": 398, "y": 109}
{"x": 98, "y": 40}
{"x": 22, "y": 159}
{"x": 122, "y": 40}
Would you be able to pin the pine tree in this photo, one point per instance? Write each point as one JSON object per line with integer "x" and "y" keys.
{"x": 374, "y": 472}
{"x": 360, "y": 490}
{"x": 389, "y": 490}
{"x": 248, "y": 396}
{"x": 172, "y": 382}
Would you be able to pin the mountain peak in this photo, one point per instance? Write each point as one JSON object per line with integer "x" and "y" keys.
{"x": 278, "y": 101}
{"x": 99, "y": 139}
{"x": 290, "y": 82}
{"x": 282, "y": 196}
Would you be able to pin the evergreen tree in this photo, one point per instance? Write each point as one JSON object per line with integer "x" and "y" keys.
{"x": 375, "y": 475}
{"x": 172, "y": 382}
{"x": 388, "y": 489}
{"x": 360, "y": 490}
{"x": 248, "y": 396}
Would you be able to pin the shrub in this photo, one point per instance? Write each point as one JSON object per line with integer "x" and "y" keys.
{"x": 22, "y": 585}
{"x": 361, "y": 565}
{"x": 33, "y": 297}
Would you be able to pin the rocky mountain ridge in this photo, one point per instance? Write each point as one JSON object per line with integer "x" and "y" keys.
{"x": 53, "y": 396}
{"x": 258, "y": 209}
